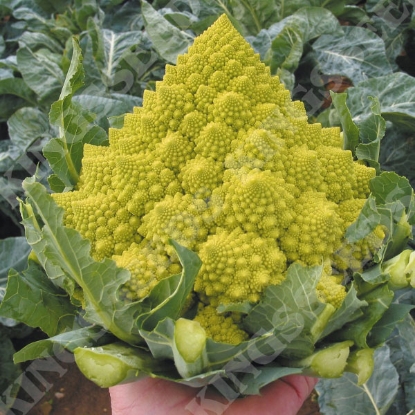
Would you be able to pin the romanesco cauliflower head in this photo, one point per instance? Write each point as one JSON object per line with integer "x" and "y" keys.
{"x": 220, "y": 159}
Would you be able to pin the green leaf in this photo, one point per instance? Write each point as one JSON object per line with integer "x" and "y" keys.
{"x": 84, "y": 11}
{"x": 82, "y": 337}
{"x": 396, "y": 94}
{"x": 378, "y": 300}
{"x": 369, "y": 217}
{"x": 236, "y": 361}
{"x": 34, "y": 300}
{"x": 76, "y": 126}
{"x": 10, "y": 373}
{"x": 294, "y": 304}
{"x": 255, "y": 15}
{"x": 36, "y": 40}
{"x": 343, "y": 396}
{"x": 294, "y": 32}
{"x": 389, "y": 187}
{"x": 244, "y": 307}
{"x": 56, "y": 184}
{"x": 350, "y": 310}
{"x": 168, "y": 40}
{"x": 41, "y": 72}
{"x": 18, "y": 88}
{"x": 254, "y": 382}
{"x": 110, "y": 49}
{"x": 350, "y": 130}
{"x": 402, "y": 355}
{"x": 397, "y": 152}
{"x": 348, "y": 54}
{"x": 107, "y": 106}
{"x": 395, "y": 314}
{"x": 160, "y": 339}
{"x": 26, "y": 126}
{"x": 371, "y": 131}
{"x": 35, "y": 17}
{"x": 13, "y": 254}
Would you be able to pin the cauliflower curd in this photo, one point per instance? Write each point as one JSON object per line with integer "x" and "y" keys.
{"x": 221, "y": 160}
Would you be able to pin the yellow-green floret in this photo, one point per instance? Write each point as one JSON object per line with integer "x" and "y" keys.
{"x": 220, "y": 159}
{"x": 222, "y": 328}
{"x": 330, "y": 290}
{"x": 238, "y": 266}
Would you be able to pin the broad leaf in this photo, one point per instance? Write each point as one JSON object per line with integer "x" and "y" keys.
{"x": 292, "y": 304}
{"x": 402, "y": 355}
{"x": 395, "y": 314}
{"x": 19, "y": 88}
{"x": 110, "y": 48}
{"x": 389, "y": 187}
{"x": 36, "y": 40}
{"x": 350, "y": 310}
{"x": 168, "y": 40}
{"x": 378, "y": 300}
{"x": 255, "y": 15}
{"x": 10, "y": 374}
{"x": 13, "y": 254}
{"x": 357, "y": 53}
{"x": 396, "y": 94}
{"x": 397, "y": 152}
{"x": 32, "y": 299}
{"x": 26, "y": 126}
{"x": 291, "y": 34}
{"x": 41, "y": 72}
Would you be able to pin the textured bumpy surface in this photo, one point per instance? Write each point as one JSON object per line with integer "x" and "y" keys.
{"x": 220, "y": 159}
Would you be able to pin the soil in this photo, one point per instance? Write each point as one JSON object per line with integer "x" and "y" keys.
{"x": 65, "y": 391}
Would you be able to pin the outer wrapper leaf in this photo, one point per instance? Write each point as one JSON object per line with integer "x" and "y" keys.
{"x": 292, "y": 304}
{"x": 65, "y": 257}
{"x": 379, "y": 300}
{"x": 70, "y": 340}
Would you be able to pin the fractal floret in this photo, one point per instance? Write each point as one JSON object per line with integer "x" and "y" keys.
{"x": 219, "y": 155}
{"x": 220, "y": 231}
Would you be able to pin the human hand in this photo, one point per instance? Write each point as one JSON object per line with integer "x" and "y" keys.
{"x": 160, "y": 397}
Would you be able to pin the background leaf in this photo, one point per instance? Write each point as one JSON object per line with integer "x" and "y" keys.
{"x": 48, "y": 82}
{"x": 9, "y": 374}
{"x": 27, "y": 295}
{"x": 167, "y": 39}
{"x": 357, "y": 53}
{"x": 396, "y": 94}
{"x": 402, "y": 355}
{"x": 13, "y": 254}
